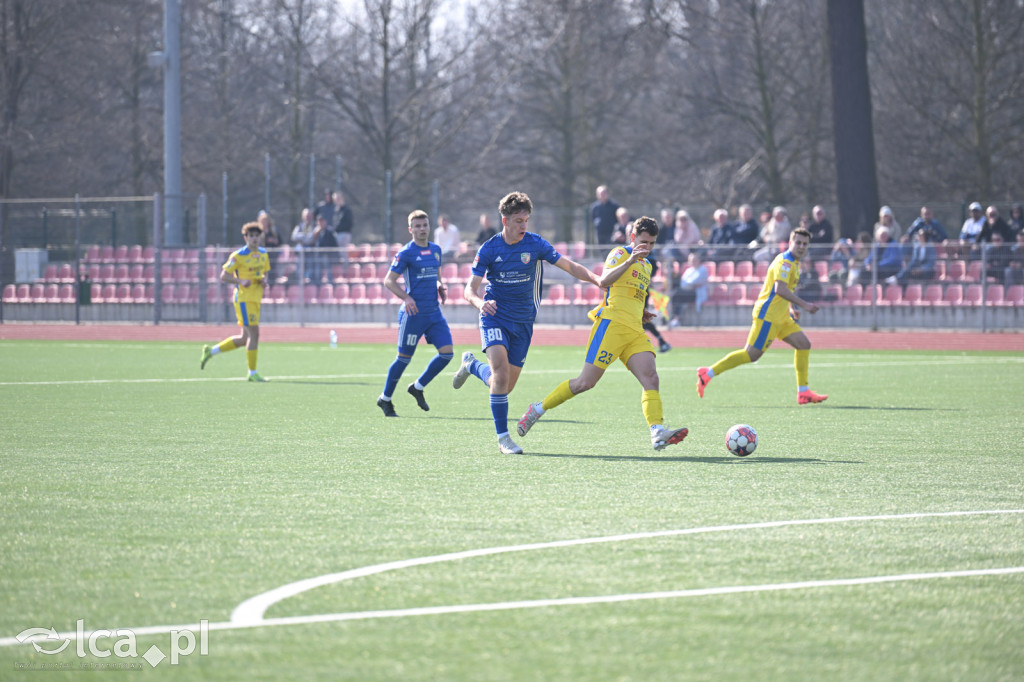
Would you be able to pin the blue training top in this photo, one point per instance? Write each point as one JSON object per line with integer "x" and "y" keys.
{"x": 419, "y": 266}
{"x": 514, "y": 274}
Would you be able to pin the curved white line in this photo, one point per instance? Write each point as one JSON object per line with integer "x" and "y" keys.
{"x": 252, "y": 610}
{"x": 535, "y": 603}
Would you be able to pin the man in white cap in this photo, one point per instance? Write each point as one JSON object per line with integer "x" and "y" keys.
{"x": 971, "y": 230}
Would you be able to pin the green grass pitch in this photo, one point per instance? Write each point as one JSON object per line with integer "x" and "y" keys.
{"x": 138, "y": 491}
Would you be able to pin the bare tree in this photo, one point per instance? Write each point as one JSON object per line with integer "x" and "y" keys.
{"x": 949, "y": 91}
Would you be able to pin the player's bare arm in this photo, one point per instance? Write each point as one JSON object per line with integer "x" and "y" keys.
{"x": 392, "y": 285}
{"x": 784, "y": 292}
{"x": 442, "y": 292}
{"x": 578, "y": 271}
{"x": 228, "y": 278}
{"x": 471, "y": 295}
{"x": 609, "y": 277}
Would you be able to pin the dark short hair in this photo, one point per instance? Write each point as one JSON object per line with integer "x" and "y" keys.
{"x": 515, "y": 202}
{"x": 645, "y": 224}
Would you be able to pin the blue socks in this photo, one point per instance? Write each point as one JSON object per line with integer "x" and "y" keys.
{"x": 434, "y": 368}
{"x": 499, "y": 410}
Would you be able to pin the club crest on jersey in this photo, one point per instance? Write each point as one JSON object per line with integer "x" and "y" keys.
{"x": 525, "y": 257}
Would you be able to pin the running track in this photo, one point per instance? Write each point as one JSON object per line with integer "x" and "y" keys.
{"x": 847, "y": 339}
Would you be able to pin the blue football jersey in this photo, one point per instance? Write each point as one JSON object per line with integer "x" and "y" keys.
{"x": 419, "y": 266}
{"x": 514, "y": 274}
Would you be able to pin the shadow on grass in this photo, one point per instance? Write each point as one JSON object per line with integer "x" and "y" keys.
{"x": 704, "y": 460}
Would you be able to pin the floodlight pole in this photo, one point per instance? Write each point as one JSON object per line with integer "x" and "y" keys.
{"x": 170, "y": 61}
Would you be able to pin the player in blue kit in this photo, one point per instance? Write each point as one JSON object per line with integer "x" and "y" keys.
{"x": 511, "y": 260}
{"x": 419, "y": 262}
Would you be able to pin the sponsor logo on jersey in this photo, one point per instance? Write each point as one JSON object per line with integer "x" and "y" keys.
{"x": 425, "y": 252}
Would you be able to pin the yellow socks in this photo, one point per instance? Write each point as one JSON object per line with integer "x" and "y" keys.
{"x": 557, "y": 396}
{"x": 651, "y": 404}
{"x": 802, "y": 361}
{"x": 250, "y": 357}
{"x": 733, "y": 359}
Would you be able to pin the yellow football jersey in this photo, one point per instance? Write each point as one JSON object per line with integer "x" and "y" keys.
{"x": 769, "y": 306}
{"x": 246, "y": 264}
{"x": 624, "y": 300}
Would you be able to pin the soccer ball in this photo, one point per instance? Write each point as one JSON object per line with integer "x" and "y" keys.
{"x": 741, "y": 440}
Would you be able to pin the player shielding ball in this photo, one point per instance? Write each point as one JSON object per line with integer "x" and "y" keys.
{"x": 776, "y": 316}
{"x": 618, "y": 333}
{"x": 247, "y": 268}
{"x": 511, "y": 260}
{"x": 419, "y": 263}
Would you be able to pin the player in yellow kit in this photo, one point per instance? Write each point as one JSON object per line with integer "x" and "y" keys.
{"x": 247, "y": 268}
{"x": 618, "y": 333}
{"x": 776, "y": 317}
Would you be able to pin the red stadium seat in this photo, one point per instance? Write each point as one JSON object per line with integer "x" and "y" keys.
{"x": 135, "y": 253}
{"x": 325, "y": 294}
{"x": 912, "y": 295}
{"x": 449, "y": 273}
{"x": 139, "y": 293}
{"x": 738, "y": 294}
{"x": 342, "y": 293}
{"x": 744, "y": 271}
{"x": 995, "y": 294}
{"x": 66, "y": 294}
{"x": 853, "y": 294}
{"x": 121, "y": 254}
{"x": 974, "y": 271}
{"x": 933, "y": 294}
{"x": 92, "y": 253}
{"x": 51, "y": 273}
{"x": 761, "y": 269}
{"x": 107, "y": 254}
{"x": 10, "y": 293}
{"x": 973, "y": 295}
{"x": 556, "y": 294}
{"x": 51, "y": 292}
{"x": 357, "y": 293}
{"x": 725, "y": 270}
{"x": 578, "y": 251}
{"x": 956, "y": 271}
{"x": 821, "y": 267}
{"x": 954, "y": 294}
{"x": 1015, "y": 294}
{"x": 893, "y": 295}
{"x": 833, "y": 293}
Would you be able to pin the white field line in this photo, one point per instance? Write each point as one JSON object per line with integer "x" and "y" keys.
{"x": 196, "y": 628}
{"x": 664, "y": 369}
{"x": 249, "y": 613}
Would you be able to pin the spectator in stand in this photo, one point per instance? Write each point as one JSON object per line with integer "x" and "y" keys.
{"x": 774, "y": 235}
{"x": 722, "y": 237}
{"x": 747, "y": 228}
{"x": 861, "y": 251}
{"x": 602, "y": 215}
{"x": 693, "y": 287}
{"x": 887, "y": 220}
{"x": 821, "y": 233}
{"x": 971, "y": 230}
{"x": 666, "y": 226}
{"x": 921, "y": 266}
{"x": 842, "y": 252}
{"x": 486, "y": 229}
{"x": 447, "y": 237}
{"x": 994, "y": 224}
{"x": 342, "y": 223}
{"x": 808, "y": 287}
{"x": 1016, "y": 220}
{"x": 271, "y": 240}
{"x": 998, "y": 254}
{"x": 1014, "y": 273}
{"x": 927, "y": 222}
{"x": 620, "y": 235}
{"x": 685, "y": 236}
{"x": 326, "y": 244}
{"x": 325, "y": 206}
{"x": 304, "y": 238}
{"x": 885, "y": 261}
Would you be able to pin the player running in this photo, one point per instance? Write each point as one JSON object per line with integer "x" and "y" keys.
{"x": 419, "y": 262}
{"x": 247, "y": 268}
{"x": 618, "y": 332}
{"x": 512, "y": 262}
{"x": 776, "y": 316}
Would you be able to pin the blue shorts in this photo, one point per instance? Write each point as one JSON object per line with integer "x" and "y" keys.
{"x": 515, "y": 336}
{"x": 433, "y": 326}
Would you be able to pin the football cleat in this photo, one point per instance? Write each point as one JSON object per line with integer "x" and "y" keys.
{"x": 528, "y": 420}
{"x": 420, "y": 400}
{"x": 662, "y": 437}
{"x": 462, "y": 373}
{"x": 806, "y": 397}
{"x": 508, "y": 447}
{"x": 664, "y": 347}
{"x": 206, "y": 357}
{"x": 387, "y": 407}
{"x": 702, "y": 380}
{"x": 255, "y": 376}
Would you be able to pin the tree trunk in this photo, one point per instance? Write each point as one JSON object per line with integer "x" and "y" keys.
{"x": 856, "y": 178}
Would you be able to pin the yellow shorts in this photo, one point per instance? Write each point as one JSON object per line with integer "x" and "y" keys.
{"x": 609, "y": 341}
{"x": 763, "y": 332}
{"x": 248, "y": 313}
